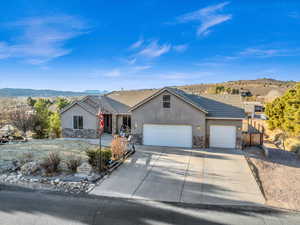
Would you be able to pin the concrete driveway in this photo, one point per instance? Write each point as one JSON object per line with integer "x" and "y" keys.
{"x": 212, "y": 176}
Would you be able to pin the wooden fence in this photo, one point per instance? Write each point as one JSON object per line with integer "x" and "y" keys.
{"x": 252, "y": 139}
{"x": 254, "y": 135}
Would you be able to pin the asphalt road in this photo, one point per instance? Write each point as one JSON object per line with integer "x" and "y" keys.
{"x": 26, "y": 207}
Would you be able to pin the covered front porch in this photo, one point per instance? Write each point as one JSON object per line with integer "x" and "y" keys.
{"x": 114, "y": 123}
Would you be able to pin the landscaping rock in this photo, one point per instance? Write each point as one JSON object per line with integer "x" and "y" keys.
{"x": 84, "y": 169}
{"x": 4, "y": 169}
{"x": 11, "y": 167}
{"x": 30, "y": 168}
{"x": 73, "y": 178}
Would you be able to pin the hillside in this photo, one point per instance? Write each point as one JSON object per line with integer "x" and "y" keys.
{"x": 16, "y": 92}
{"x": 259, "y": 88}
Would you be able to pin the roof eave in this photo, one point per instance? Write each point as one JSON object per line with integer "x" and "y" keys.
{"x": 75, "y": 103}
{"x": 224, "y": 118}
{"x": 67, "y": 107}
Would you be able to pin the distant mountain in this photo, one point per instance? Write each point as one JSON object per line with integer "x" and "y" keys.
{"x": 17, "y": 92}
{"x": 95, "y": 92}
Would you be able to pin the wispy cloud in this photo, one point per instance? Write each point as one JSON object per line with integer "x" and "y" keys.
{"x": 249, "y": 53}
{"x": 42, "y": 38}
{"x": 137, "y": 44}
{"x": 180, "y": 48}
{"x": 145, "y": 50}
{"x": 266, "y": 53}
{"x": 207, "y": 17}
{"x": 154, "y": 49}
{"x": 118, "y": 71}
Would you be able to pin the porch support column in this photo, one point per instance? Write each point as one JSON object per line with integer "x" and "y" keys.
{"x": 114, "y": 124}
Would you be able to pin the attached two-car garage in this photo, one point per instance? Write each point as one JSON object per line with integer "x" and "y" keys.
{"x": 182, "y": 136}
{"x": 175, "y": 118}
{"x": 168, "y": 135}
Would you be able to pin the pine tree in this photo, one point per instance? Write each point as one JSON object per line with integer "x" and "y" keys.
{"x": 284, "y": 112}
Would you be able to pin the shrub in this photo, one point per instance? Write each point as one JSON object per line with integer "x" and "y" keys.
{"x": 73, "y": 162}
{"x": 94, "y": 158}
{"x": 295, "y": 148}
{"x": 118, "y": 147}
{"x": 55, "y": 125}
{"x": 51, "y": 163}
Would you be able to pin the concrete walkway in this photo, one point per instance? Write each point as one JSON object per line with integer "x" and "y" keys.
{"x": 184, "y": 175}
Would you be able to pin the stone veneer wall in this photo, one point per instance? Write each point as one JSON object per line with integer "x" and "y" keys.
{"x": 137, "y": 139}
{"x": 83, "y": 133}
{"x": 198, "y": 142}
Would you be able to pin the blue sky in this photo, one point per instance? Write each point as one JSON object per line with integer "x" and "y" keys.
{"x": 93, "y": 44}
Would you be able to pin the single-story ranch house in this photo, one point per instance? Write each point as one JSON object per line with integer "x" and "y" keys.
{"x": 165, "y": 117}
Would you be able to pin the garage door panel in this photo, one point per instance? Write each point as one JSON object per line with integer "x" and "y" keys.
{"x": 167, "y": 135}
{"x": 222, "y": 136}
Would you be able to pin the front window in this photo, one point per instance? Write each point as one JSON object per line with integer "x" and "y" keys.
{"x": 166, "y": 101}
{"x": 78, "y": 122}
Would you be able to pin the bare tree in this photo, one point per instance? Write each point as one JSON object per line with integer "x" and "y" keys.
{"x": 3, "y": 118}
{"x": 22, "y": 119}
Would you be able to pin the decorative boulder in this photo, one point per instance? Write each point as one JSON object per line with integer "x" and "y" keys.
{"x": 30, "y": 168}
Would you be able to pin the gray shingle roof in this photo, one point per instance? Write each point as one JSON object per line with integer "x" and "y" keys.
{"x": 131, "y": 98}
{"x": 113, "y": 105}
{"x": 227, "y": 106}
{"x": 88, "y": 107}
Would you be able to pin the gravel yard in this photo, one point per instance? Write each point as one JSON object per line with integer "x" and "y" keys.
{"x": 279, "y": 175}
{"x": 40, "y": 149}
{"x": 11, "y": 172}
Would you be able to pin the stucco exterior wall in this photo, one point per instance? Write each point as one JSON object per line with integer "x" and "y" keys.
{"x": 237, "y": 123}
{"x": 89, "y": 123}
{"x": 89, "y": 120}
{"x": 180, "y": 113}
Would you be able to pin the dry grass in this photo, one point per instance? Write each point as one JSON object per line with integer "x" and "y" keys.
{"x": 40, "y": 149}
{"x": 293, "y": 144}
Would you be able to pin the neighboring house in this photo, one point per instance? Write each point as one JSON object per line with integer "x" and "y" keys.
{"x": 253, "y": 108}
{"x": 165, "y": 117}
{"x": 245, "y": 93}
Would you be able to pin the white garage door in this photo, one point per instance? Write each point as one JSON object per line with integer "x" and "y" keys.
{"x": 222, "y": 136}
{"x": 167, "y": 135}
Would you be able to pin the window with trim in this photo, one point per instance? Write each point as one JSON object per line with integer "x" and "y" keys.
{"x": 166, "y": 101}
{"x": 78, "y": 122}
